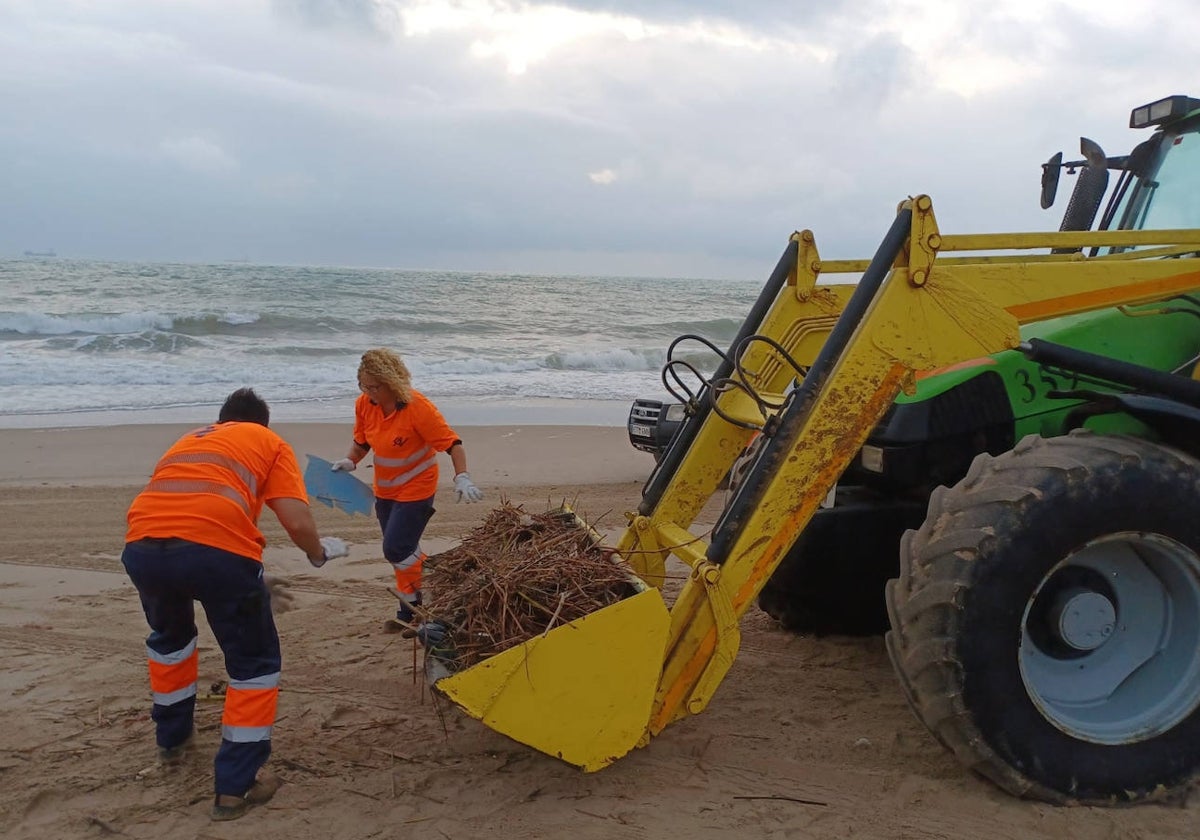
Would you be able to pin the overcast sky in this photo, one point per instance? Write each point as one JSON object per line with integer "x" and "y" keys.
{"x": 651, "y": 138}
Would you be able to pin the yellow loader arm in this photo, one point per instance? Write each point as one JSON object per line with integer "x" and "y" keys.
{"x": 591, "y": 691}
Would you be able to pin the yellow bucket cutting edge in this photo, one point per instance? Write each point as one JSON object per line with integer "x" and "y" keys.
{"x": 583, "y": 691}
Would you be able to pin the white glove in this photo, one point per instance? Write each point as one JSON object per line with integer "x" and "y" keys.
{"x": 333, "y": 547}
{"x": 343, "y": 465}
{"x": 466, "y": 489}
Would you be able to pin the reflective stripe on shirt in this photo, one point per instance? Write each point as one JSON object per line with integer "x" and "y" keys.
{"x": 388, "y": 463}
{"x": 187, "y": 486}
{"x": 236, "y": 467}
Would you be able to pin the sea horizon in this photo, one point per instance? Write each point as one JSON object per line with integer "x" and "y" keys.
{"x": 90, "y": 343}
{"x": 458, "y": 412}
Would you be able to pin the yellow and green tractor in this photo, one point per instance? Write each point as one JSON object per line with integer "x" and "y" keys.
{"x": 986, "y": 446}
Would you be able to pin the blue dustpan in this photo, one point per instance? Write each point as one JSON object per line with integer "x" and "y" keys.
{"x": 338, "y": 490}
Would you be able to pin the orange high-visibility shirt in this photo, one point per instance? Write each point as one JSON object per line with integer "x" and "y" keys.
{"x": 404, "y": 446}
{"x": 210, "y": 486}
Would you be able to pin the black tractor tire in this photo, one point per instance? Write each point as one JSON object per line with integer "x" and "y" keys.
{"x": 808, "y": 595}
{"x": 1051, "y": 519}
{"x": 832, "y": 580}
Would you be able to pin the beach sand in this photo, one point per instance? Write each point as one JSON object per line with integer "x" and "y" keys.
{"x": 806, "y": 738}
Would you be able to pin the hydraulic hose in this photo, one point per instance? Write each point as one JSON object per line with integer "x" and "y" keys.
{"x": 657, "y": 483}
{"x": 749, "y": 494}
{"x": 1134, "y": 376}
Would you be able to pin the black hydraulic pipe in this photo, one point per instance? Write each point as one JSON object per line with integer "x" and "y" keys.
{"x": 657, "y": 483}
{"x": 1131, "y": 375}
{"x": 749, "y": 494}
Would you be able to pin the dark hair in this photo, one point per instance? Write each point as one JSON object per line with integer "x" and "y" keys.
{"x": 245, "y": 406}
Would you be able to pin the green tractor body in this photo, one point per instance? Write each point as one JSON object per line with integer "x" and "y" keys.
{"x": 833, "y": 579}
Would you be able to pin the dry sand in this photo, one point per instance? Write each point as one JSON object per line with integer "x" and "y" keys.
{"x": 806, "y": 738}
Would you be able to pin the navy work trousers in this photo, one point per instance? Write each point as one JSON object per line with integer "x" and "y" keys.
{"x": 170, "y": 575}
{"x": 402, "y": 524}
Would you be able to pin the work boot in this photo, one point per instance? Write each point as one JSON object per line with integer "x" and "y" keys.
{"x": 173, "y": 756}
{"x": 228, "y": 807}
{"x": 405, "y": 617}
{"x": 405, "y": 613}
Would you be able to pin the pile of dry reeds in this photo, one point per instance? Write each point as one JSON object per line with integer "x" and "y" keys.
{"x": 515, "y": 576}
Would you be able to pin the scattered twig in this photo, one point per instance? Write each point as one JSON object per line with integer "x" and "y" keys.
{"x": 104, "y": 827}
{"x": 362, "y": 793}
{"x": 295, "y": 765}
{"x": 591, "y": 814}
{"x": 562, "y": 599}
{"x": 786, "y": 799}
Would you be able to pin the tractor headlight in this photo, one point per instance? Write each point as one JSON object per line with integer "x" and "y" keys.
{"x": 1162, "y": 110}
{"x": 871, "y": 458}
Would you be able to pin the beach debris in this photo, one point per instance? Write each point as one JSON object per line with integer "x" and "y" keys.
{"x": 516, "y": 576}
{"x": 215, "y": 693}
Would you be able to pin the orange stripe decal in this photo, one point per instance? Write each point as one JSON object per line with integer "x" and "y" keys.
{"x": 1100, "y": 298}
{"x": 982, "y": 361}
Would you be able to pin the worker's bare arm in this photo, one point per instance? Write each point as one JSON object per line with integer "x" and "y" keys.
{"x": 297, "y": 519}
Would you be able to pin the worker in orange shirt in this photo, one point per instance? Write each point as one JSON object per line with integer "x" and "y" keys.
{"x": 405, "y": 431}
{"x": 193, "y": 536}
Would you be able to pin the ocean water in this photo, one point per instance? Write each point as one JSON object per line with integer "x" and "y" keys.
{"x": 103, "y": 343}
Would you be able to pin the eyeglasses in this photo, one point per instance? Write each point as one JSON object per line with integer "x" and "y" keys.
{"x": 370, "y": 389}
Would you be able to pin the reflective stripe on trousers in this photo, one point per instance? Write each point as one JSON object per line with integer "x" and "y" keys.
{"x": 408, "y": 575}
{"x": 173, "y": 675}
{"x": 249, "y": 711}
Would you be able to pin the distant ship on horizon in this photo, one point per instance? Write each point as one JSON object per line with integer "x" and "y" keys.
{"x": 46, "y": 253}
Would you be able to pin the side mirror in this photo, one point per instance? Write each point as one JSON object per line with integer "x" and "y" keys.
{"x": 1092, "y": 152}
{"x": 1142, "y": 156}
{"x": 1089, "y": 191}
{"x": 1050, "y": 172}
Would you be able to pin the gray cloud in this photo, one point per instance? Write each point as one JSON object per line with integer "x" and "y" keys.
{"x": 872, "y": 74}
{"x": 374, "y": 17}
{"x": 765, "y": 14}
{"x": 212, "y": 131}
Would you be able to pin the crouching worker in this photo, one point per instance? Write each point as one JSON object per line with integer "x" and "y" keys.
{"x": 193, "y": 536}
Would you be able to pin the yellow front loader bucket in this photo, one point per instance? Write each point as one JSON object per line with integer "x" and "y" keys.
{"x": 581, "y": 692}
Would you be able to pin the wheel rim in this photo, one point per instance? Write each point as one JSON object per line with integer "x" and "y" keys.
{"x": 1110, "y": 640}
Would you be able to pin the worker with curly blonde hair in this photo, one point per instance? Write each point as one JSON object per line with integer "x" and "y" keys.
{"x": 405, "y": 431}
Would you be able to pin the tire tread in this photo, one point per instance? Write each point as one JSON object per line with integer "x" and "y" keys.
{"x": 937, "y": 574}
